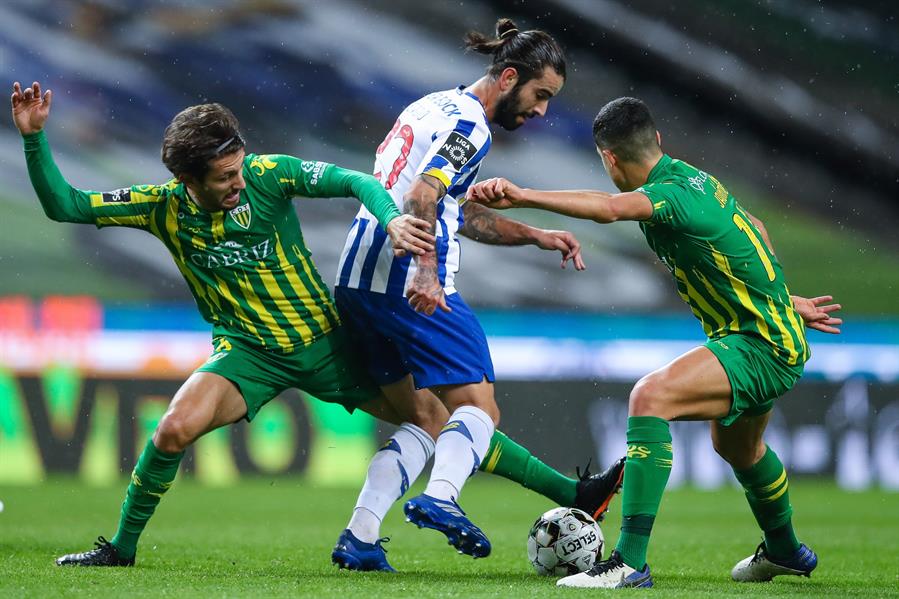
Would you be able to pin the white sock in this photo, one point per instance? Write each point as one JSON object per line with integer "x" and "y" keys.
{"x": 392, "y": 469}
{"x": 460, "y": 448}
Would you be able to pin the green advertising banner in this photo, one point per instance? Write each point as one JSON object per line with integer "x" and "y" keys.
{"x": 64, "y": 421}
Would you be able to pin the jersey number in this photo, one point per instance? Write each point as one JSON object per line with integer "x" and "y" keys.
{"x": 408, "y": 136}
{"x": 744, "y": 226}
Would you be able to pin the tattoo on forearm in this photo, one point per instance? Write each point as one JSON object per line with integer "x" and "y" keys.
{"x": 418, "y": 203}
{"x": 433, "y": 184}
{"x": 481, "y": 224}
{"x": 421, "y": 208}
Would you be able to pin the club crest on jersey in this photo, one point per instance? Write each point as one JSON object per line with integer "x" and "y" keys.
{"x": 241, "y": 215}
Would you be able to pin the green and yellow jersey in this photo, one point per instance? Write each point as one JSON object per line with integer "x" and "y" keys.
{"x": 722, "y": 266}
{"x": 248, "y": 268}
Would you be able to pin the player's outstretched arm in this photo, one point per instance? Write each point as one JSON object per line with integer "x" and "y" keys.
{"x": 60, "y": 201}
{"x": 425, "y": 293}
{"x": 598, "y": 206}
{"x": 407, "y": 233}
{"x": 816, "y": 313}
{"x": 486, "y": 226}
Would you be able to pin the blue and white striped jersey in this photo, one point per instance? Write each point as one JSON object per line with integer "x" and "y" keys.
{"x": 444, "y": 134}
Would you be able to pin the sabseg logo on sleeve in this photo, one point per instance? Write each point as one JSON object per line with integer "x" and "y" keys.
{"x": 315, "y": 169}
{"x": 118, "y": 196}
{"x": 457, "y": 149}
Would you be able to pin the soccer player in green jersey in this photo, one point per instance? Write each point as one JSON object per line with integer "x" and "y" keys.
{"x": 725, "y": 269}
{"x": 229, "y": 224}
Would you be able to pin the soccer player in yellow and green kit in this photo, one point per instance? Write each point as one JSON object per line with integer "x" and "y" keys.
{"x": 725, "y": 269}
{"x": 228, "y": 222}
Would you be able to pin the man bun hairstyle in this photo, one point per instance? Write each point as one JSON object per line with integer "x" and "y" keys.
{"x": 197, "y": 135}
{"x": 529, "y": 52}
{"x": 625, "y": 126}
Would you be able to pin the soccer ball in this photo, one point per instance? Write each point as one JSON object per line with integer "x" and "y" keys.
{"x": 564, "y": 541}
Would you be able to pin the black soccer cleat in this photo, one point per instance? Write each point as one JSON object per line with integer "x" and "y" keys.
{"x": 104, "y": 555}
{"x": 595, "y": 492}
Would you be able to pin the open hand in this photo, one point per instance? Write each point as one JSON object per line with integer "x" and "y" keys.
{"x": 816, "y": 315}
{"x": 566, "y": 243}
{"x": 30, "y": 109}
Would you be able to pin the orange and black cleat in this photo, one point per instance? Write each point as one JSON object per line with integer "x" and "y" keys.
{"x": 595, "y": 492}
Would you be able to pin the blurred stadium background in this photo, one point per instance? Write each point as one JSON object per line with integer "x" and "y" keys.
{"x": 793, "y": 104}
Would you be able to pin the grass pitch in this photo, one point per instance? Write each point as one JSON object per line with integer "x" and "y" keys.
{"x": 273, "y": 538}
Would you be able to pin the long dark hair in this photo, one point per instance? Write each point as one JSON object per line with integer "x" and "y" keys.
{"x": 530, "y": 52}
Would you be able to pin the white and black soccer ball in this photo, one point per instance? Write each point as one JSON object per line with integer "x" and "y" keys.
{"x": 564, "y": 541}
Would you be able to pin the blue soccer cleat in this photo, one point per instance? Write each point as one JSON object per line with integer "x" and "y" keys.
{"x": 353, "y": 554}
{"x": 448, "y": 518}
{"x": 761, "y": 567}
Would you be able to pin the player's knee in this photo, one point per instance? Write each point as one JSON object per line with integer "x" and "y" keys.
{"x": 647, "y": 398}
{"x": 430, "y": 417}
{"x": 486, "y": 405}
{"x": 173, "y": 434}
{"x": 489, "y": 408}
{"x": 740, "y": 456}
{"x": 495, "y": 416}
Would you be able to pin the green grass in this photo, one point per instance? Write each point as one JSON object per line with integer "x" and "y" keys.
{"x": 273, "y": 538}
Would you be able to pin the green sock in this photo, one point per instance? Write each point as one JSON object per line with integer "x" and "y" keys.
{"x": 154, "y": 474}
{"x": 766, "y": 486}
{"x": 510, "y": 460}
{"x": 649, "y": 459}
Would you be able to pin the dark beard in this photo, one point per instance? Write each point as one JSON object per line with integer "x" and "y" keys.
{"x": 508, "y": 109}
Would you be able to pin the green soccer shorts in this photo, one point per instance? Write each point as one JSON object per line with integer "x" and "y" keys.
{"x": 757, "y": 376}
{"x": 325, "y": 369}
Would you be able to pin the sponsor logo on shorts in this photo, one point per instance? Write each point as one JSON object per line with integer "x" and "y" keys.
{"x": 222, "y": 347}
{"x": 216, "y": 357}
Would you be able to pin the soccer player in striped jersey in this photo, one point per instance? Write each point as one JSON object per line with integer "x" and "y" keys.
{"x": 725, "y": 269}
{"x": 229, "y": 224}
{"x": 432, "y": 340}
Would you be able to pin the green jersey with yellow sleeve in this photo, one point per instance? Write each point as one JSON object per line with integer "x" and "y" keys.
{"x": 722, "y": 267}
{"x": 248, "y": 268}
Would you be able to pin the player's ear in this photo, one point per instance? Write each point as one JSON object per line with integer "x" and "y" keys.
{"x": 659, "y": 138}
{"x": 508, "y": 79}
{"x": 187, "y": 179}
{"x": 608, "y": 157}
